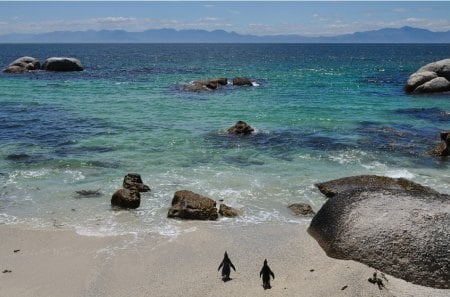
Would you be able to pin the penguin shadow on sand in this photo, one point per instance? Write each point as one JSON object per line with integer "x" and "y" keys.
{"x": 266, "y": 273}
{"x": 226, "y": 266}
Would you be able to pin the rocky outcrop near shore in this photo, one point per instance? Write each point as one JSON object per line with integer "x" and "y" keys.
{"x": 431, "y": 78}
{"x": 242, "y": 81}
{"x": 227, "y": 211}
{"x": 23, "y": 64}
{"x": 192, "y": 206}
{"x": 400, "y": 231}
{"x": 133, "y": 181}
{"x": 302, "y": 209}
{"x": 62, "y": 64}
{"x": 443, "y": 148}
{"x": 370, "y": 182}
{"x": 129, "y": 196}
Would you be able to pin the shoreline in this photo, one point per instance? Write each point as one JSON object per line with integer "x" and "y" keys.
{"x": 63, "y": 263}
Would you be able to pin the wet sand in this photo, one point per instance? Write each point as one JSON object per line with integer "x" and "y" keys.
{"x": 62, "y": 263}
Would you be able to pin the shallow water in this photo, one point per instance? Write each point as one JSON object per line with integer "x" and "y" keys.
{"x": 321, "y": 112}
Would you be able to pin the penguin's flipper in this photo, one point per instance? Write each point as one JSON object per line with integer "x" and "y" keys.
{"x": 232, "y": 266}
{"x": 220, "y": 266}
{"x": 272, "y": 274}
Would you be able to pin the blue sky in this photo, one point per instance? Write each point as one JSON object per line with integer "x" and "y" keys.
{"x": 310, "y": 18}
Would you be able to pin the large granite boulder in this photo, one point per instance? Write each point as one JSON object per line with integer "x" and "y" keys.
{"x": 23, "y": 64}
{"x": 241, "y": 127}
{"x": 370, "y": 182}
{"x": 62, "y": 64}
{"x": 302, "y": 209}
{"x": 206, "y": 85}
{"x": 125, "y": 198}
{"x": 431, "y": 78}
{"x": 192, "y": 206}
{"x": 242, "y": 81}
{"x": 443, "y": 148}
{"x": 400, "y": 232}
{"x": 133, "y": 181}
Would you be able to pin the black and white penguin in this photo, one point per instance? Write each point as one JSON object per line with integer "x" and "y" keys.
{"x": 266, "y": 273}
{"x": 226, "y": 264}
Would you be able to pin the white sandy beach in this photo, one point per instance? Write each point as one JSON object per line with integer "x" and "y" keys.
{"x": 63, "y": 263}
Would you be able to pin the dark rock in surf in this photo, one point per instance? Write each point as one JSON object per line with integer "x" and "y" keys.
{"x": 227, "y": 211}
{"x": 206, "y": 85}
{"x": 241, "y": 127}
{"x": 443, "y": 148}
{"x": 125, "y": 198}
{"x": 133, "y": 181}
{"x": 370, "y": 182}
{"x": 400, "y": 232}
{"x": 192, "y": 206}
{"x": 431, "y": 78}
{"x": 62, "y": 64}
{"x": 242, "y": 81}
{"x": 302, "y": 209}
{"x": 23, "y": 64}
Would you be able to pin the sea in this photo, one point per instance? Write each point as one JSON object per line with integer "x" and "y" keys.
{"x": 320, "y": 112}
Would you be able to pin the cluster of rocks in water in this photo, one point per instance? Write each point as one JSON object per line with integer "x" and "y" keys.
{"x": 129, "y": 196}
{"x": 26, "y": 64}
{"x": 431, "y": 78}
{"x": 215, "y": 83}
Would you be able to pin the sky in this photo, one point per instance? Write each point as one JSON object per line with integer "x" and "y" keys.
{"x": 308, "y": 18}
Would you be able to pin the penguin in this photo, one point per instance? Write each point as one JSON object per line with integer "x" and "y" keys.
{"x": 266, "y": 273}
{"x": 226, "y": 264}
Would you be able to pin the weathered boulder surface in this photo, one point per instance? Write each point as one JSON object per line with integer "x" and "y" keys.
{"x": 133, "y": 181}
{"x": 125, "y": 198}
{"x": 431, "y": 78}
{"x": 23, "y": 64}
{"x": 302, "y": 209}
{"x": 241, "y": 127}
{"x": 370, "y": 182}
{"x": 206, "y": 85}
{"x": 192, "y": 206}
{"x": 443, "y": 148}
{"x": 227, "y": 211}
{"x": 62, "y": 64}
{"x": 242, "y": 81}
{"x": 402, "y": 233}
{"x": 438, "y": 84}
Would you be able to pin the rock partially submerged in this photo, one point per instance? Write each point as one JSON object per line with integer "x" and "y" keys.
{"x": 227, "y": 211}
{"x": 431, "y": 78}
{"x": 206, "y": 85}
{"x": 133, "y": 181}
{"x": 241, "y": 127}
{"x": 242, "y": 81}
{"x": 23, "y": 64}
{"x": 443, "y": 148}
{"x": 125, "y": 198}
{"x": 370, "y": 182}
{"x": 400, "y": 232}
{"x": 192, "y": 206}
{"x": 62, "y": 64}
{"x": 302, "y": 209}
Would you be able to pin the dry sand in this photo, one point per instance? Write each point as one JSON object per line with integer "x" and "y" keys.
{"x": 63, "y": 263}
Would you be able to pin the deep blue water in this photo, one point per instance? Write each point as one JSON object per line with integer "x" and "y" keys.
{"x": 321, "y": 112}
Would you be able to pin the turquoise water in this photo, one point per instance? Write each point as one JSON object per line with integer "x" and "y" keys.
{"x": 321, "y": 112}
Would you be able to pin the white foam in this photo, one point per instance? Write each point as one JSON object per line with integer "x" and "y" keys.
{"x": 400, "y": 173}
{"x": 7, "y": 219}
{"x": 255, "y": 84}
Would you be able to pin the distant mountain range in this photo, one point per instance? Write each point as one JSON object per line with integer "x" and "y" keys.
{"x": 388, "y": 35}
